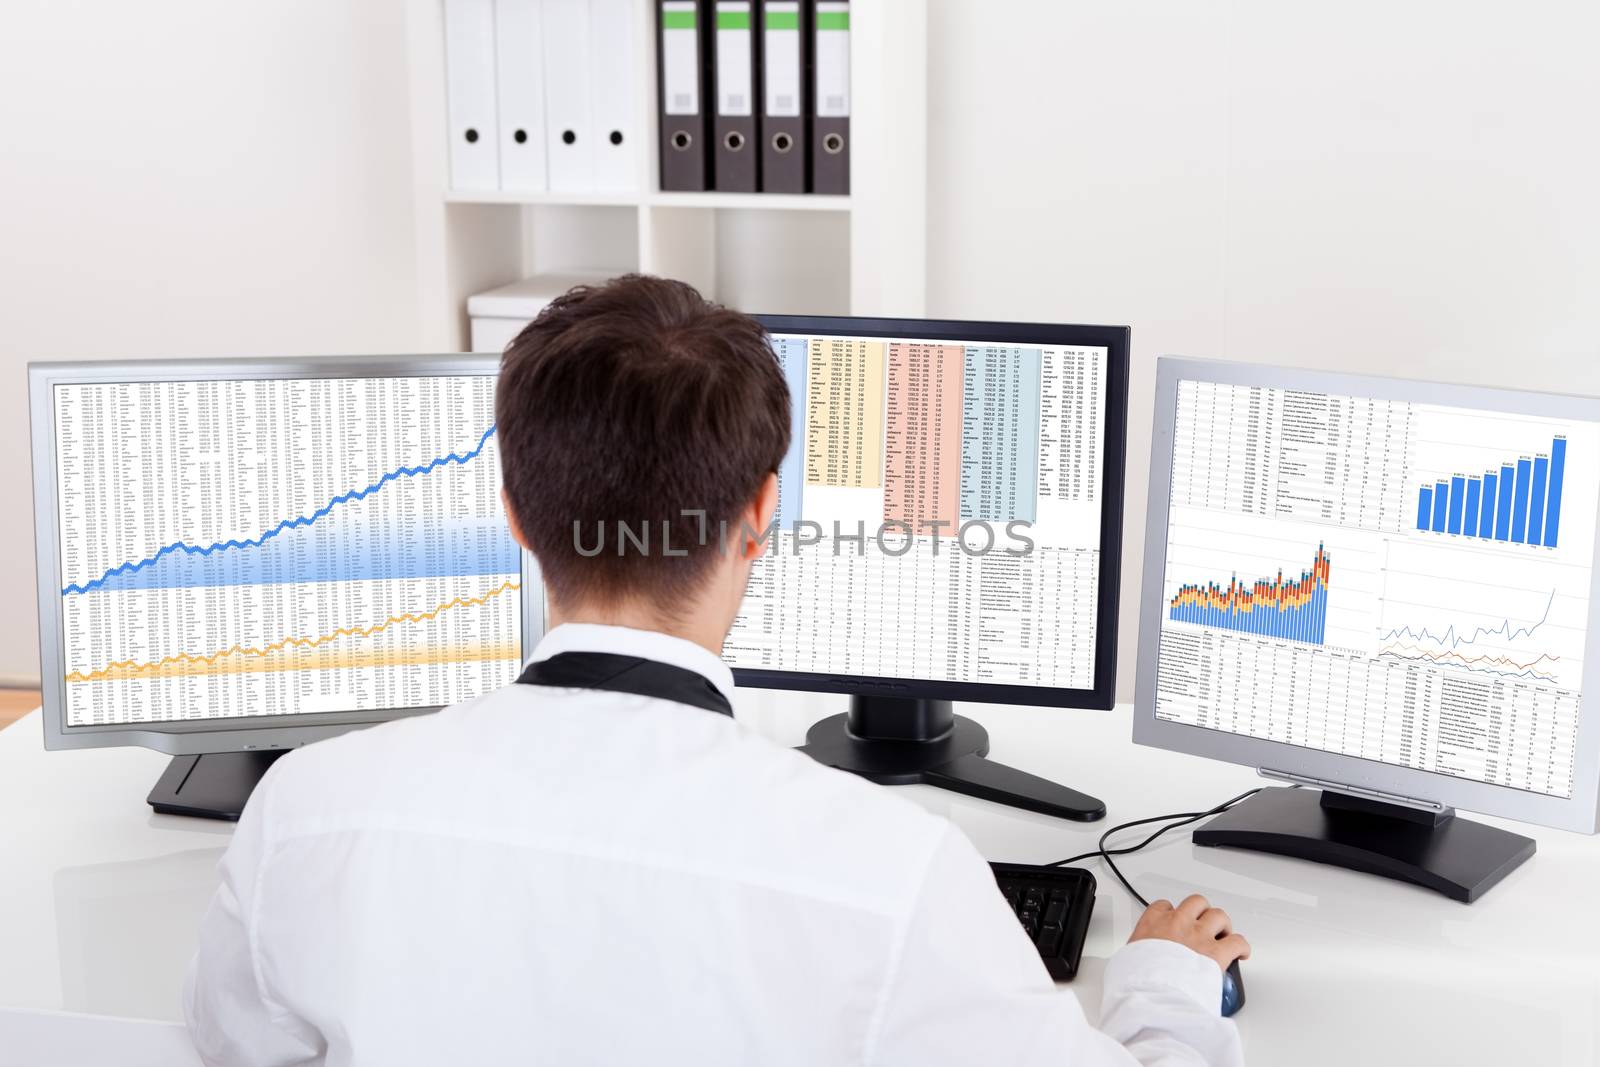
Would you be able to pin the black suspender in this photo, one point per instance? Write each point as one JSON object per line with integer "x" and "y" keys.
{"x": 627, "y": 674}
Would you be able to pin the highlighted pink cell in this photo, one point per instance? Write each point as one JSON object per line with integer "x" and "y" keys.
{"x": 922, "y": 463}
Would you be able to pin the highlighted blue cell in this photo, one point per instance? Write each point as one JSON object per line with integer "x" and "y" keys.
{"x": 999, "y": 433}
{"x": 792, "y": 357}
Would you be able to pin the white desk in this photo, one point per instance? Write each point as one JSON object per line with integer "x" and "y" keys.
{"x": 100, "y": 900}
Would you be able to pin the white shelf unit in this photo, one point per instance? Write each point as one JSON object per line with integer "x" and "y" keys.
{"x": 861, "y": 254}
{"x": 751, "y": 201}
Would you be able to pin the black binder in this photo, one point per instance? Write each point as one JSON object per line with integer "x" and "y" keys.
{"x": 785, "y": 82}
{"x": 830, "y": 102}
{"x": 683, "y": 94}
{"x": 734, "y": 130}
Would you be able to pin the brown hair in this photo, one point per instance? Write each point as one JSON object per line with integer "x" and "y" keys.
{"x": 635, "y": 402}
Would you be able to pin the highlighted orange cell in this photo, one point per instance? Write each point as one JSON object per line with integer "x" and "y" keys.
{"x": 844, "y": 413}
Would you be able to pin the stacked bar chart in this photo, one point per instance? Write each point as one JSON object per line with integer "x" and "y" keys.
{"x": 1519, "y": 504}
{"x": 1293, "y": 609}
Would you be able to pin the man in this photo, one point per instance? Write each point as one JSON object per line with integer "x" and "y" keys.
{"x": 598, "y": 864}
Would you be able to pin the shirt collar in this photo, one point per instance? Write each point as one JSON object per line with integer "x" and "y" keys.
{"x": 646, "y": 644}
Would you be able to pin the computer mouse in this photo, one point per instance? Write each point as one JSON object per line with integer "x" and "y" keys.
{"x": 1232, "y": 990}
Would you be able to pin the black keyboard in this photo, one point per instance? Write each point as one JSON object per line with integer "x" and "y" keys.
{"x": 1053, "y": 905}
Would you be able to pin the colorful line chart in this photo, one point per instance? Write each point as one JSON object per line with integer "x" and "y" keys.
{"x": 1460, "y": 649}
{"x": 280, "y": 546}
{"x": 1520, "y": 618}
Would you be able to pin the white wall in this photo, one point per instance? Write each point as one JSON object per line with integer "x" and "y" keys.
{"x": 1393, "y": 187}
{"x": 192, "y": 178}
{"x": 1399, "y": 187}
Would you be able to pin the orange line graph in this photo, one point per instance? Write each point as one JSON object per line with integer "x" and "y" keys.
{"x": 186, "y": 662}
{"x": 1448, "y": 656}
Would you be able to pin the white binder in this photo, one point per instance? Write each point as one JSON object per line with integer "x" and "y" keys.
{"x": 519, "y": 67}
{"x": 469, "y": 72}
{"x": 615, "y": 87}
{"x": 568, "y": 96}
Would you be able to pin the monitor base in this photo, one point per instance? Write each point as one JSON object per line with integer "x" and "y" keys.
{"x": 901, "y": 741}
{"x": 1457, "y": 857}
{"x": 213, "y": 786}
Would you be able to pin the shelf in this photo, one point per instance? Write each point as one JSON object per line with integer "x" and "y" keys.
{"x": 754, "y": 251}
{"x": 755, "y": 201}
{"x": 495, "y": 196}
{"x": 743, "y": 201}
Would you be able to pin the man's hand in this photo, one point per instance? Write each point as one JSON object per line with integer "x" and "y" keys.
{"x": 1194, "y": 924}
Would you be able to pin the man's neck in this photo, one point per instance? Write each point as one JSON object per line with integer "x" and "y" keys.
{"x": 708, "y": 634}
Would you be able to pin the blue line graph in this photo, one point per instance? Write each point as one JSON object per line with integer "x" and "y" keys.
{"x": 133, "y": 566}
{"x": 1450, "y": 637}
{"x": 1508, "y": 664}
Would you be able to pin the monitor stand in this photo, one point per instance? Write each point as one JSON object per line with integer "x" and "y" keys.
{"x": 1457, "y": 857}
{"x": 900, "y": 741}
{"x": 213, "y": 786}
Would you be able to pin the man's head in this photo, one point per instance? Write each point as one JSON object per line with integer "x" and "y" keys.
{"x": 639, "y": 404}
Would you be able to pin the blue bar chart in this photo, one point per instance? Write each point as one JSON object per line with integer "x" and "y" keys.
{"x": 1518, "y": 504}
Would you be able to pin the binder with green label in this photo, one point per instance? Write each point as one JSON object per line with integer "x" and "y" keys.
{"x": 736, "y": 151}
{"x": 682, "y": 95}
{"x": 830, "y": 111}
{"x": 785, "y": 51}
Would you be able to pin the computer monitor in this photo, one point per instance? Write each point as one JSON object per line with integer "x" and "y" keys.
{"x": 1383, "y": 590}
{"x": 949, "y": 526}
{"x": 240, "y": 556}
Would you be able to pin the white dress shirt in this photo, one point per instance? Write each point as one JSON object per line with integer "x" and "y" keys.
{"x": 568, "y": 876}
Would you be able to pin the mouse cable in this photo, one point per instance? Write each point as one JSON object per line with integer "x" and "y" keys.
{"x": 1173, "y": 821}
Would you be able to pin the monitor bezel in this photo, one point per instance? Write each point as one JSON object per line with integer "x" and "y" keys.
{"x": 1116, "y": 341}
{"x": 207, "y": 735}
{"x": 1580, "y": 812}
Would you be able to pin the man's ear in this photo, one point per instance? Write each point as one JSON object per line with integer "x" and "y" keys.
{"x": 511, "y": 520}
{"x": 758, "y": 517}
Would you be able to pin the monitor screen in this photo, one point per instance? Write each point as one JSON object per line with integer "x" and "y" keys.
{"x": 1396, "y": 581}
{"x": 940, "y": 514}
{"x": 280, "y": 546}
